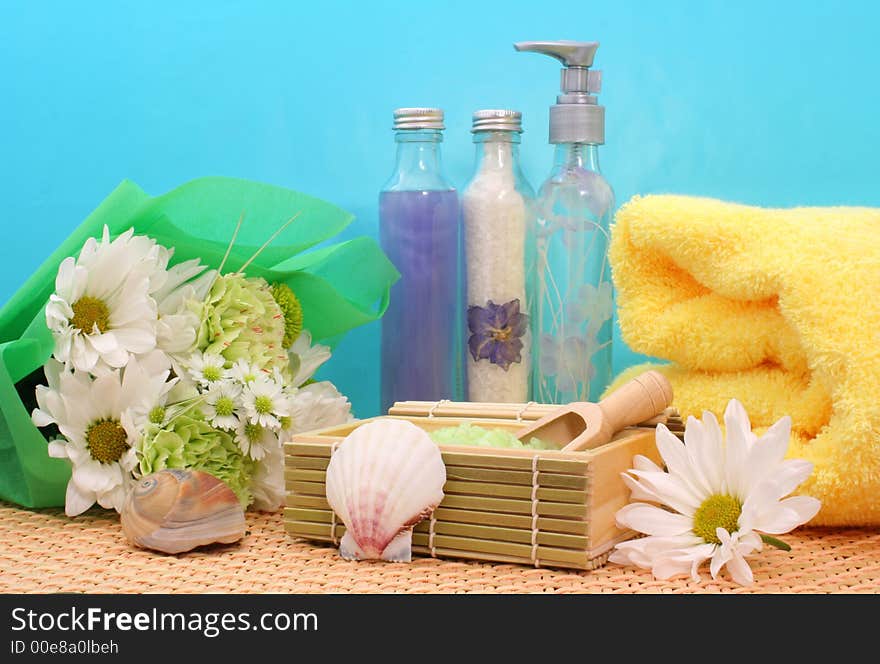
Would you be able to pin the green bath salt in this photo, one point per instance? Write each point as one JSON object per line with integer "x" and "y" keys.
{"x": 469, "y": 434}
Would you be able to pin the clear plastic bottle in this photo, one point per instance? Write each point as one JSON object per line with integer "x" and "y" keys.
{"x": 497, "y": 209}
{"x": 420, "y": 231}
{"x": 569, "y": 285}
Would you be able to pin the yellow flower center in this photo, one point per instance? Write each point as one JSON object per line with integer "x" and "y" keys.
{"x": 224, "y": 406}
{"x": 292, "y": 311}
{"x": 157, "y": 415}
{"x": 89, "y": 312}
{"x": 286, "y": 422}
{"x": 107, "y": 441}
{"x": 717, "y": 511}
{"x": 212, "y": 373}
{"x": 263, "y": 404}
{"x": 253, "y": 431}
{"x": 501, "y": 334}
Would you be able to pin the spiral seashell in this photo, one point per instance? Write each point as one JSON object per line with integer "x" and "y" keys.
{"x": 385, "y": 477}
{"x": 178, "y": 510}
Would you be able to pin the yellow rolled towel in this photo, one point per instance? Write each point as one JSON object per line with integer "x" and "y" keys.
{"x": 778, "y": 308}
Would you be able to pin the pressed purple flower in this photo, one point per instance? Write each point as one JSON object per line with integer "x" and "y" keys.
{"x": 495, "y": 332}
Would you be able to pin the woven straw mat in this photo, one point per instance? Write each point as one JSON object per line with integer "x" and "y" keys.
{"x": 43, "y": 551}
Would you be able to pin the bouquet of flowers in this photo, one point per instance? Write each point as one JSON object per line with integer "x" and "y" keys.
{"x": 162, "y": 346}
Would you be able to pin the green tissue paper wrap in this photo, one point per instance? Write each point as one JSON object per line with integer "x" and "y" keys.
{"x": 339, "y": 286}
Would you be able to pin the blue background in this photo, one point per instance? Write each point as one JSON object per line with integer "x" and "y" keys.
{"x": 769, "y": 103}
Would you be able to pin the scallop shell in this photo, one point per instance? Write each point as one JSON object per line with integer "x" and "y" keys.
{"x": 177, "y": 510}
{"x": 384, "y": 478}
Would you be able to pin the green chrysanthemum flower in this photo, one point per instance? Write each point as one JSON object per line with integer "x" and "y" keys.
{"x": 188, "y": 441}
{"x": 292, "y": 311}
{"x": 241, "y": 320}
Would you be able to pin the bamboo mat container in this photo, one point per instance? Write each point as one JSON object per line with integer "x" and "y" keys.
{"x": 545, "y": 508}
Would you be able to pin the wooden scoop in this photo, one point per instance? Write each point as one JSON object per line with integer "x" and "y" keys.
{"x": 582, "y": 425}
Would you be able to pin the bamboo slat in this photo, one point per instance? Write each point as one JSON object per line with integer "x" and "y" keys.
{"x": 481, "y": 457}
{"x": 469, "y": 517}
{"x": 501, "y": 411}
{"x": 306, "y": 473}
{"x": 510, "y": 415}
{"x": 546, "y": 554}
{"x": 476, "y": 503}
{"x": 470, "y": 530}
{"x": 453, "y": 487}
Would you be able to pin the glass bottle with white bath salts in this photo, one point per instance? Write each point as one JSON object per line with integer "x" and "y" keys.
{"x": 570, "y": 293}
{"x": 420, "y": 231}
{"x": 497, "y": 208}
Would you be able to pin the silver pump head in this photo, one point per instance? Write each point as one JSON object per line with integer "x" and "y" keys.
{"x": 576, "y": 117}
{"x": 497, "y": 120}
{"x": 418, "y": 118}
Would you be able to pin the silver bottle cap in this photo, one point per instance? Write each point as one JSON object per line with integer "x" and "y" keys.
{"x": 497, "y": 120}
{"x": 418, "y": 118}
{"x": 581, "y": 123}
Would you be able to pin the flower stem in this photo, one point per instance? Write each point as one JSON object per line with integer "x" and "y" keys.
{"x": 268, "y": 242}
{"x": 231, "y": 244}
{"x": 183, "y": 407}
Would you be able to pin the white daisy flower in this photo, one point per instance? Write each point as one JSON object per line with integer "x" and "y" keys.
{"x": 717, "y": 501}
{"x": 96, "y": 418}
{"x": 305, "y": 358}
{"x": 222, "y": 400}
{"x": 317, "y": 406}
{"x": 267, "y": 484}
{"x": 255, "y": 440}
{"x": 186, "y": 389}
{"x": 101, "y": 312}
{"x": 163, "y": 390}
{"x": 206, "y": 368}
{"x": 265, "y": 402}
{"x": 244, "y": 372}
{"x": 178, "y": 323}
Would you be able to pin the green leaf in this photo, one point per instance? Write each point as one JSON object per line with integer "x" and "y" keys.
{"x": 356, "y": 271}
{"x": 198, "y": 219}
{"x": 778, "y": 543}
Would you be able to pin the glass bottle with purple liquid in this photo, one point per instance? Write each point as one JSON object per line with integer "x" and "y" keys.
{"x": 420, "y": 232}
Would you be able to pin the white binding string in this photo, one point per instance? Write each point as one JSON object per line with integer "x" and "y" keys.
{"x": 535, "y": 511}
{"x": 519, "y": 415}
{"x": 333, "y": 537}
{"x": 437, "y": 405}
{"x": 431, "y": 525}
{"x": 433, "y": 522}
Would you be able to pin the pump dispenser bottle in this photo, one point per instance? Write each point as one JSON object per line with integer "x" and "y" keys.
{"x": 569, "y": 279}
